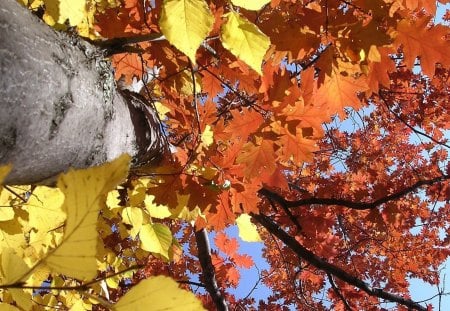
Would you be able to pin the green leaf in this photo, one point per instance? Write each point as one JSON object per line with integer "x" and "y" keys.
{"x": 185, "y": 24}
{"x": 85, "y": 192}
{"x": 156, "y": 238}
{"x": 158, "y": 293}
{"x": 244, "y": 40}
{"x": 253, "y": 5}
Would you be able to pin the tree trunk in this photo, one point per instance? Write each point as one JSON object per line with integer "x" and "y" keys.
{"x": 59, "y": 106}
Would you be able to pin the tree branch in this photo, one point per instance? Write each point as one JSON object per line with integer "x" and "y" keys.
{"x": 322, "y": 264}
{"x": 350, "y": 204}
{"x": 338, "y": 292}
{"x": 208, "y": 273}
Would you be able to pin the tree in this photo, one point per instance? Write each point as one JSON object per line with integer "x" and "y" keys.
{"x": 318, "y": 127}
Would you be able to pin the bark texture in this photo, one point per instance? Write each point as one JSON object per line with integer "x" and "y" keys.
{"x": 59, "y": 106}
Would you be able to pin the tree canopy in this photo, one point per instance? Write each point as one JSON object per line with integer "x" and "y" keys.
{"x": 320, "y": 128}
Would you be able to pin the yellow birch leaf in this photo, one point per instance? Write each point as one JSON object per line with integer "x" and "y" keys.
{"x": 253, "y": 5}
{"x": 156, "y": 211}
{"x": 160, "y": 293}
{"x": 207, "y": 136}
{"x": 185, "y": 24}
{"x": 247, "y": 230}
{"x": 6, "y": 213}
{"x": 14, "y": 268}
{"x": 22, "y": 298}
{"x": 133, "y": 216}
{"x": 161, "y": 109}
{"x": 78, "y": 306}
{"x": 85, "y": 193}
{"x": 244, "y": 40}
{"x": 44, "y": 208}
{"x": 7, "y": 307}
{"x": 156, "y": 238}
{"x": 113, "y": 201}
{"x": 58, "y": 11}
{"x": 4, "y": 171}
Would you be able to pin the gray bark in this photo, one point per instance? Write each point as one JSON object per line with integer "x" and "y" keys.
{"x": 59, "y": 106}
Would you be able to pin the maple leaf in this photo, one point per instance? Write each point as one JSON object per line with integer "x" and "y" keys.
{"x": 429, "y": 44}
{"x": 257, "y": 157}
{"x": 243, "y": 123}
{"x": 339, "y": 91}
{"x": 243, "y": 261}
{"x": 225, "y": 244}
{"x": 223, "y": 215}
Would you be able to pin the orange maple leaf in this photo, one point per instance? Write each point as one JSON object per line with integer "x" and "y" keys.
{"x": 427, "y": 43}
{"x": 244, "y": 123}
{"x": 227, "y": 245}
{"x": 339, "y": 91}
{"x": 257, "y": 157}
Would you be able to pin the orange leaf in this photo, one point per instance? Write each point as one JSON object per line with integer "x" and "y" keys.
{"x": 339, "y": 91}
{"x": 226, "y": 245}
{"x": 244, "y": 123}
{"x": 257, "y": 158}
{"x": 243, "y": 261}
{"x": 429, "y": 44}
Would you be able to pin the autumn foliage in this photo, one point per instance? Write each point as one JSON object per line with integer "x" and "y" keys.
{"x": 320, "y": 127}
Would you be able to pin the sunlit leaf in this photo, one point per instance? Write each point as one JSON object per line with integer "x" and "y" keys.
{"x": 133, "y": 216}
{"x": 247, "y": 230}
{"x": 186, "y": 23}
{"x": 7, "y": 307}
{"x": 244, "y": 40}
{"x": 156, "y": 238}
{"x": 250, "y": 5}
{"x": 158, "y": 293}
{"x": 156, "y": 211}
{"x": 85, "y": 191}
{"x": 14, "y": 268}
{"x": 207, "y": 136}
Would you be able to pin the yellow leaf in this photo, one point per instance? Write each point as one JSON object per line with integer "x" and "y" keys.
{"x": 6, "y": 213}
{"x": 156, "y": 238}
{"x": 247, "y": 230}
{"x": 85, "y": 192}
{"x": 244, "y": 40}
{"x": 187, "y": 85}
{"x": 44, "y": 208}
{"x": 253, "y": 5}
{"x": 160, "y": 293}
{"x": 4, "y": 171}
{"x": 14, "y": 269}
{"x": 133, "y": 216}
{"x": 161, "y": 109}
{"x": 185, "y": 24}
{"x": 32, "y": 4}
{"x": 58, "y": 11}
{"x": 7, "y": 307}
{"x": 374, "y": 54}
{"x": 113, "y": 201}
{"x": 207, "y": 136}
{"x": 156, "y": 211}
{"x": 22, "y": 298}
